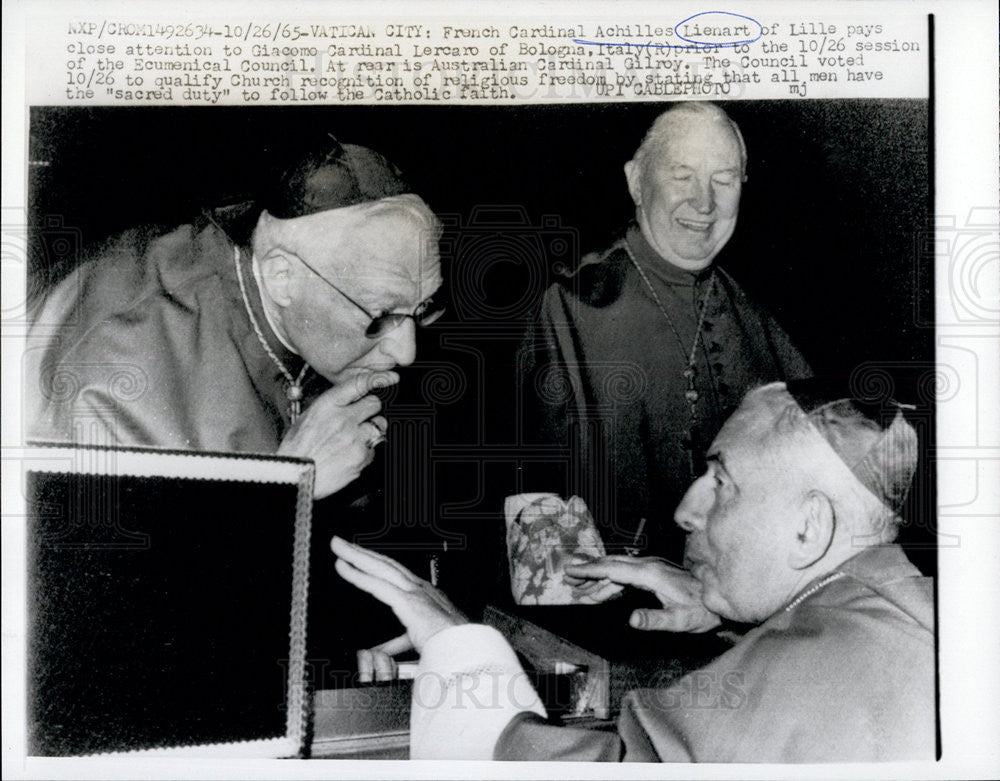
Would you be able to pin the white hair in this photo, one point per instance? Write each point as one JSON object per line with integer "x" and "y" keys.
{"x": 272, "y": 232}
{"x": 664, "y": 127}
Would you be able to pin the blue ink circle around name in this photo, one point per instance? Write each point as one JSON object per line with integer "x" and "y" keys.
{"x": 720, "y": 24}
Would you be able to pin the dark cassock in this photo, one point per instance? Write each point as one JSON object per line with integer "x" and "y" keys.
{"x": 627, "y": 374}
{"x": 161, "y": 340}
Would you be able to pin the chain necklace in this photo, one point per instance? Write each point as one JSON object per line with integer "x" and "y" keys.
{"x": 690, "y": 372}
{"x": 293, "y": 392}
{"x": 809, "y": 592}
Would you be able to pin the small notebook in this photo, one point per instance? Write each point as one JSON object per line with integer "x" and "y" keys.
{"x": 166, "y": 602}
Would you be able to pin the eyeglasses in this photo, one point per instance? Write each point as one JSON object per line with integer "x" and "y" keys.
{"x": 428, "y": 311}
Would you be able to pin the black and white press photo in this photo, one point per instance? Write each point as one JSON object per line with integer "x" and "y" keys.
{"x": 653, "y": 310}
{"x": 405, "y": 393}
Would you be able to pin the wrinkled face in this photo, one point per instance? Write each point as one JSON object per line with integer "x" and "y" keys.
{"x": 740, "y": 518}
{"x": 687, "y": 197}
{"x": 388, "y": 264}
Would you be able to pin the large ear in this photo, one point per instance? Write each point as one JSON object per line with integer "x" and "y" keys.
{"x": 814, "y": 533}
{"x": 633, "y": 175}
{"x": 276, "y": 277}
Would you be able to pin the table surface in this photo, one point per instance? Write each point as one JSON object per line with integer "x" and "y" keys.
{"x": 367, "y": 722}
{"x": 372, "y": 721}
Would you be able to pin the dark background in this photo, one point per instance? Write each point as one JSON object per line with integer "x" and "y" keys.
{"x": 103, "y": 674}
{"x": 830, "y": 238}
{"x": 827, "y": 237}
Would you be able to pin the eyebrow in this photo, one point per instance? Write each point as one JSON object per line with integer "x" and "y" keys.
{"x": 396, "y": 301}
{"x": 387, "y": 303}
{"x": 673, "y": 167}
{"x": 717, "y": 458}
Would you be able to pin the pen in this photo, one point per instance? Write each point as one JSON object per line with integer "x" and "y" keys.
{"x": 633, "y": 550}
{"x": 435, "y": 565}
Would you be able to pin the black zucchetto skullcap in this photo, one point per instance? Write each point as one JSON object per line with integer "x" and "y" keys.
{"x": 330, "y": 175}
{"x": 872, "y": 437}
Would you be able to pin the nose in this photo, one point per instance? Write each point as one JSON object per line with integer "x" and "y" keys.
{"x": 703, "y": 196}
{"x": 693, "y": 509}
{"x": 400, "y": 344}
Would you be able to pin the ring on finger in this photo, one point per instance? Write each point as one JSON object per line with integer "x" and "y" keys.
{"x": 377, "y": 437}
